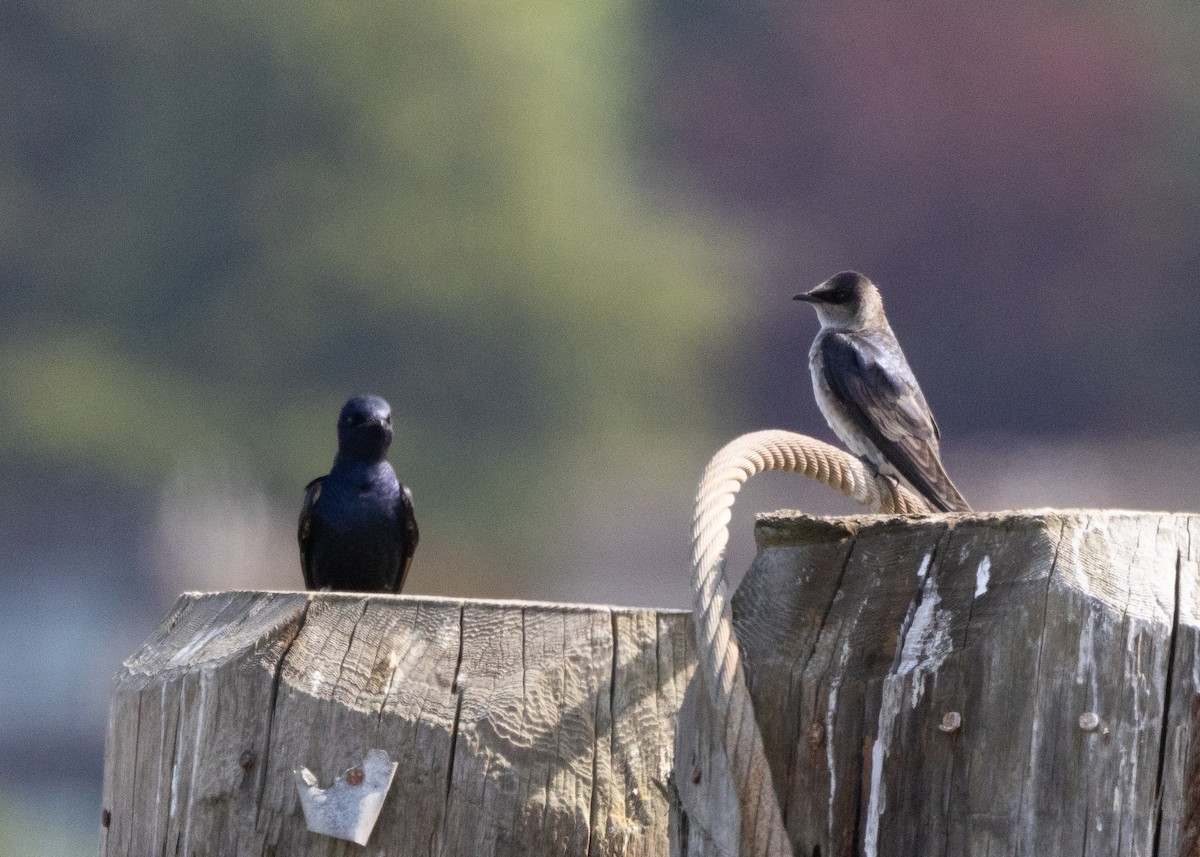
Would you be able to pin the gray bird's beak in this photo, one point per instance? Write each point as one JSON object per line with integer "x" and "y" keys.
{"x": 807, "y": 297}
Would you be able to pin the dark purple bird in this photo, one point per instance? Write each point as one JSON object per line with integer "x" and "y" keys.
{"x": 357, "y": 528}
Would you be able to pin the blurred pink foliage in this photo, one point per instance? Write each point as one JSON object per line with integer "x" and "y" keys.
{"x": 1006, "y": 172}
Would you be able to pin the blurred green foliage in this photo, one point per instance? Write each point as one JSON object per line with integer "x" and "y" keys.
{"x": 218, "y": 220}
{"x": 51, "y": 826}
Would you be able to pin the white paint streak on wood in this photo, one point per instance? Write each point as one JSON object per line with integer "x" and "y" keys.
{"x": 201, "y": 708}
{"x": 877, "y": 796}
{"x": 983, "y": 574}
{"x": 174, "y": 786}
{"x": 925, "y": 561}
{"x": 927, "y": 643}
{"x": 830, "y": 715}
{"x": 162, "y": 742}
{"x": 1085, "y": 668}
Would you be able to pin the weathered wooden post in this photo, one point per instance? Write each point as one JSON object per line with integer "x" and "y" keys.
{"x": 996, "y": 684}
{"x": 519, "y": 728}
{"x": 1016, "y": 684}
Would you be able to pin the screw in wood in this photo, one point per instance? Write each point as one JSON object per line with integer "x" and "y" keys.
{"x": 951, "y": 721}
{"x": 816, "y": 736}
{"x": 246, "y": 760}
{"x": 354, "y": 777}
{"x": 1089, "y": 721}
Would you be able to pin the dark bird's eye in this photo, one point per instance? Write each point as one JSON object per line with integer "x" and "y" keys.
{"x": 836, "y": 297}
{"x": 355, "y": 419}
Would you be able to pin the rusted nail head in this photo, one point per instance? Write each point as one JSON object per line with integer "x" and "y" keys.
{"x": 105, "y": 818}
{"x": 1089, "y": 721}
{"x": 247, "y": 759}
{"x": 354, "y": 777}
{"x": 696, "y": 776}
{"x": 951, "y": 721}
{"x": 816, "y": 735}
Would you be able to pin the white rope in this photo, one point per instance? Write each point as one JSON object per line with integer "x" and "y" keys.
{"x": 763, "y": 833}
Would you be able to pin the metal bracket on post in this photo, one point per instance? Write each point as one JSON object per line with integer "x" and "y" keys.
{"x": 349, "y": 808}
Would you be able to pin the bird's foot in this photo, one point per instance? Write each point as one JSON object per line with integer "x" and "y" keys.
{"x": 870, "y": 465}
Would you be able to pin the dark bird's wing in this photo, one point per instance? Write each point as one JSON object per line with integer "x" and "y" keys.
{"x": 307, "y": 529}
{"x": 409, "y": 535}
{"x": 880, "y": 395}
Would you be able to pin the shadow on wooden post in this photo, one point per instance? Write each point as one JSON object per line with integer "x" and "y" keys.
{"x": 1017, "y": 684}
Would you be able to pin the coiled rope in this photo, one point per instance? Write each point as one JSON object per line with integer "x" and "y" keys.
{"x": 763, "y": 832}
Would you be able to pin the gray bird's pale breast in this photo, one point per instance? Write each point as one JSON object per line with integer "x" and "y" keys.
{"x": 834, "y": 412}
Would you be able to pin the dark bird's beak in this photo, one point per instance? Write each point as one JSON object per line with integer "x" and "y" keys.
{"x": 808, "y": 297}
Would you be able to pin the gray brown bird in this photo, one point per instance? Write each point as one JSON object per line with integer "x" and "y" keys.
{"x": 357, "y": 528}
{"x": 869, "y": 396}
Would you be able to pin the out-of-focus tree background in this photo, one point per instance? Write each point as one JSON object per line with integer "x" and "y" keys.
{"x": 561, "y": 240}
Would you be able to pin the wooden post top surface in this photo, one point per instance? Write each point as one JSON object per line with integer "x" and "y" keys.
{"x": 207, "y": 628}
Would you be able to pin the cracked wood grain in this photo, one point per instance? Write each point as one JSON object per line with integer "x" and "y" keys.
{"x": 518, "y": 728}
{"x": 859, "y": 634}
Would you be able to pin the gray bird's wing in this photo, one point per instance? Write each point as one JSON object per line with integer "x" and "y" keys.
{"x": 409, "y": 534}
{"x": 881, "y": 396}
{"x": 306, "y": 531}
